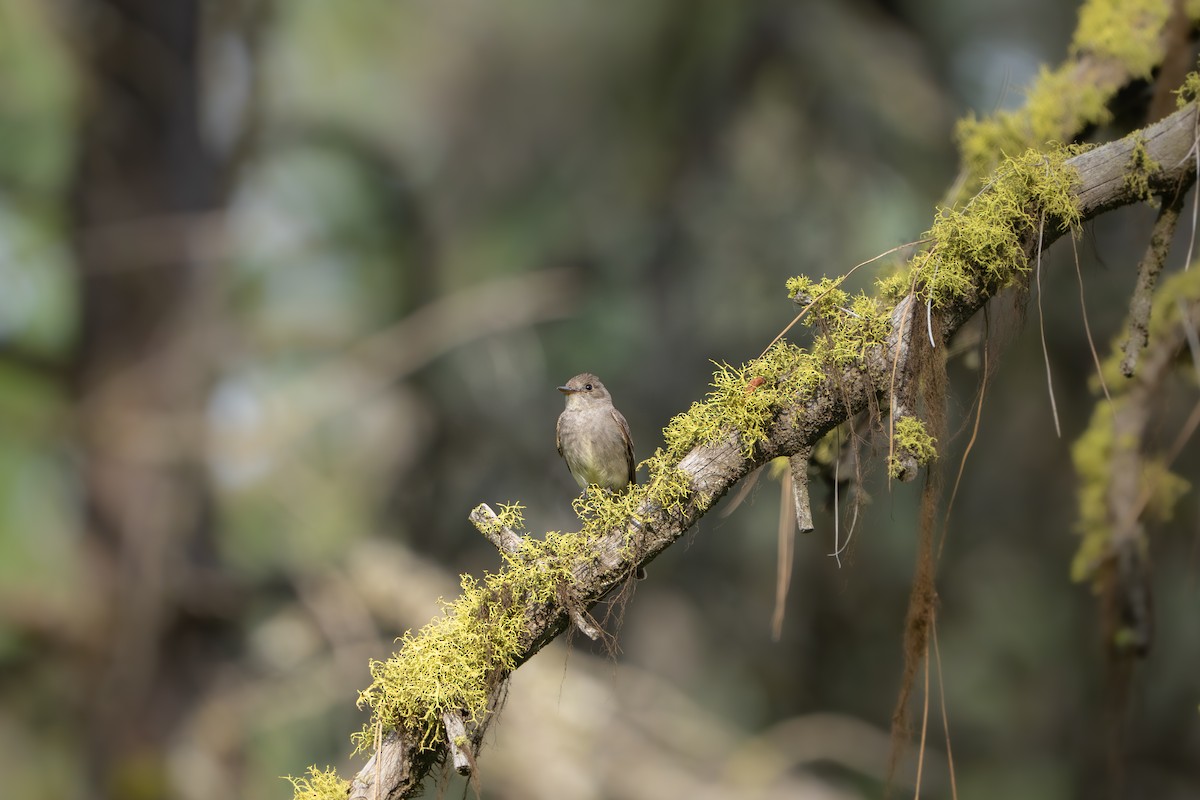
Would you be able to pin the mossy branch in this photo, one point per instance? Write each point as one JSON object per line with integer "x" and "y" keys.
{"x": 778, "y": 405}
{"x": 1124, "y": 485}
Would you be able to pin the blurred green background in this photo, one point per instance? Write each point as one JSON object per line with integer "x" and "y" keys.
{"x": 285, "y": 291}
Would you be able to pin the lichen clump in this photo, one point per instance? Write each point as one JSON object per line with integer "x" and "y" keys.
{"x": 1141, "y": 167}
{"x": 744, "y": 400}
{"x": 846, "y": 325}
{"x": 454, "y": 662}
{"x": 1057, "y": 107}
{"x": 320, "y": 784}
{"x": 1063, "y": 102}
{"x": 1092, "y": 454}
{"x": 1189, "y": 91}
{"x": 981, "y": 247}
{"x": 1125, "y": 31}
{"x": 910, "y": 437}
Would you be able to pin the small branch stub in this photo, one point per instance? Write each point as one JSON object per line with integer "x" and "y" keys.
{"x": 799, "y": 464}
{"x": 488, "y": 523}
{"x": 912, "y": 447}
{"x": 578, "y": 614}
{"x": 388, "y": 773}
{"x": 459, "y": 742}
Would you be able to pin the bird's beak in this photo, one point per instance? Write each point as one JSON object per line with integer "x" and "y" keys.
{"x": 567, "y": 390}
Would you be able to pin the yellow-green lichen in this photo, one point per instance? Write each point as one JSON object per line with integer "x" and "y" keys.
{"x": 1093, "y": 452}
{"x": 454, "y": 662}
{"x": 1181, "y": 288}
{"x": 319, "y": 784}
{"x": 1056, "y": 108}
{"x": 744, "y": 399}
{"x": 1141, "y": 167}
{"x": 1063, "y": 102}
{"x": 846, "y": 325}
{"x": 980, "y": 245}
{"x": 1162, "y": 489}
{"x": 1127, "y": 31}
{"x": 1092, "y": 455}
{"x": 911, "y": 438}
{"x": 667, "y": 488}
{"x": 1189, "y": 91}
{"x": 511, "y": 516}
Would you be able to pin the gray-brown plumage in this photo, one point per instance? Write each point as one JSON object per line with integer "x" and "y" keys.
{"x": 593, "y": 437}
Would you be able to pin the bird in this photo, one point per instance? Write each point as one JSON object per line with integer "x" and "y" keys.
{"x": 593, "y": 437}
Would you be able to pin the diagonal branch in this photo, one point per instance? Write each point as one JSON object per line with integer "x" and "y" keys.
{"x": 711, "y": 469}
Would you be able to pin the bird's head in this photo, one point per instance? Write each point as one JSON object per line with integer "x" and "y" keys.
{"x": 585, "y": 388}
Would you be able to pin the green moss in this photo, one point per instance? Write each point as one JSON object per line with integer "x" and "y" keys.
{"x": 846, "y": 325}
{"x": 320, "y": 785}
{"x": 511, "y": 516}
{"x": 1059, "y": 107}
{"x": 1126, "y": 31}
{"x": 1182, "y": 287}
{"x": 1093, "y": 452}
{"x": 1141, "y": 167}
{"x": 980, "y": 246}
{"x": 1056, "y": 108}
{"x": 453, "y": 662}
{"x": 1189, "y": 91}
{"x": 910, "y": 436}
{"x": 1092, "y": 457}
{"x": 1061, "y": 103}
{"x": 1162, "y": 490}
{"x": 744, "y": 399}
{"x": 747, "y": 398}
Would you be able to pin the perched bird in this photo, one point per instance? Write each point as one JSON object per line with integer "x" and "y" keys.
{"x": 593, "y": 437}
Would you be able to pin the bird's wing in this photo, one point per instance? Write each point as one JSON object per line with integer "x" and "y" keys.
{"x": 558, "y": 434}
{"x": 624, "y": 426}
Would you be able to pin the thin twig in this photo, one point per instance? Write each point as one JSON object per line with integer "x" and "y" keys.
{"x": 962, "y": 463}
{"x": 1042, "y": 326}
{"x": 924, "y": 728}
{"x": 787, "y": 541}
{"x": 1196, "y": 195}
{"x": 945, "y": 720}
{"x": 837, "y": 504}
{"x": 1087, "y": 329}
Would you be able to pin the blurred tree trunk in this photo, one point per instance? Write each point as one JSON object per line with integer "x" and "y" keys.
{"x": 146, "y": 199}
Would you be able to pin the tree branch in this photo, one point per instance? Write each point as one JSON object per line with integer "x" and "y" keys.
{"x": 712, "y": 469}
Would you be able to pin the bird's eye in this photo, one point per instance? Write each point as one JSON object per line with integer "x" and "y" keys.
{"x": 587, "y": 387}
